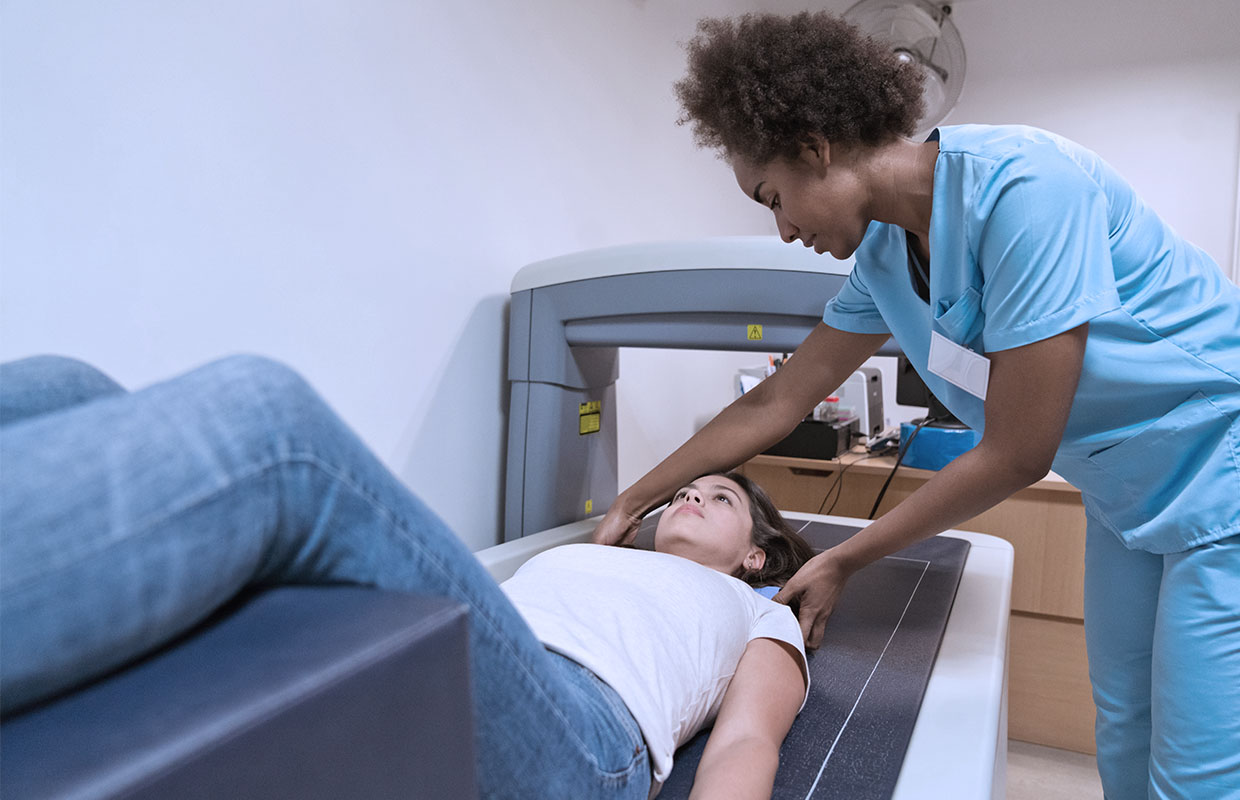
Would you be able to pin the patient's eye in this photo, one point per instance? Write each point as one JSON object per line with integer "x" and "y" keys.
{"x": 679, "y": 495}
{"x": 774, "y": 202}
{"x": 724, "y": 498}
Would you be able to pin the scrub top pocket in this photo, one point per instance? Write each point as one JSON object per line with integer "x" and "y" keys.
{"x": 962, "y": 320}
{"x": 1176, "y": 483}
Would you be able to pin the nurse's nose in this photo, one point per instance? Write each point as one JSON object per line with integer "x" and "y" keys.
{"x": 787, "y": 231}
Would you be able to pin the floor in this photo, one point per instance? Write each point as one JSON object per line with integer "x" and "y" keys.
{"x": 1044, "y": 773}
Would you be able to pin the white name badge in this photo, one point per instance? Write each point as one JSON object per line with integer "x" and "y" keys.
{"x": 958, "y": 365}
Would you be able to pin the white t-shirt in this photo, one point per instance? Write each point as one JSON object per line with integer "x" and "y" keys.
{"x": 665, "y": 632}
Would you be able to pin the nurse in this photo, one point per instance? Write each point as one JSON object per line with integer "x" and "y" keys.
{"x": 1050, "y": 309}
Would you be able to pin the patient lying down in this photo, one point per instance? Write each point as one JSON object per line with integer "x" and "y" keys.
{"x": 680, "y": 633}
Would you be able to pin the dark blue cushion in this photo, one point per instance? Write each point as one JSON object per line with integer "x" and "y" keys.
{"x": 305, "y": 692}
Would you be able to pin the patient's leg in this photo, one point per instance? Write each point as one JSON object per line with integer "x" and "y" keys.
{"x": 43, "y": 384}
{"x": 133, "y": 517}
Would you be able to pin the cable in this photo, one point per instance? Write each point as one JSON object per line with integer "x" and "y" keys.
{"x": 840, "y": 493}
{"x": 904, "y": 446}
{"x": 839, "y": 477}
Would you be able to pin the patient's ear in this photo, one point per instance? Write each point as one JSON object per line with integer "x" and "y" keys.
{"x": 755, "y": 560}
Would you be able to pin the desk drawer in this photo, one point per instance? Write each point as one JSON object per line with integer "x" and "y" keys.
{"x": 1049, "y": 698}
{"x": 1047, "y": 531}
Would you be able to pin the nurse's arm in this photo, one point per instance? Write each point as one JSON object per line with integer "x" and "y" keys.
{"x": 754, "y": 422}
{"x": 1027, "y": 405}
{"x": 760, "y": 705}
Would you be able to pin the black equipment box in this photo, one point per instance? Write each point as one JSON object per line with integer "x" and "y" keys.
{"x": 817, "y": 439}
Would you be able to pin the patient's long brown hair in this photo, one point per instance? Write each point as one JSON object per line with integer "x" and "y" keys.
{"x": 785, "y": 550}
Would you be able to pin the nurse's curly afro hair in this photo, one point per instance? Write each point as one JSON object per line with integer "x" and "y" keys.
{"x": 760, "y": 84}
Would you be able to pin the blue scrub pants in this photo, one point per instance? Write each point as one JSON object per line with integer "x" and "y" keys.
{"x": 128, "y": 518}
{"x": 1163, "y": 633}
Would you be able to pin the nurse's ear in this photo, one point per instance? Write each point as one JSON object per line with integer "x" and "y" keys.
{"x": 815, "y": 153}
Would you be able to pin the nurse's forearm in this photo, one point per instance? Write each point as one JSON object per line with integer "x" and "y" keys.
{"x": 969, "y": 485}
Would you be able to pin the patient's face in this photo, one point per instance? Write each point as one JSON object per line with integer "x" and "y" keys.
{"x": 708, "y": 521}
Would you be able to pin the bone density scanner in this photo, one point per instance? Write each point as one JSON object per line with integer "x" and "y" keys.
{"x": 569, "y": 316}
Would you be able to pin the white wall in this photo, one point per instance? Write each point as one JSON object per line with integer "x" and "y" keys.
{"x": 1153, "y": 87}
{"x": 346, "y": 186}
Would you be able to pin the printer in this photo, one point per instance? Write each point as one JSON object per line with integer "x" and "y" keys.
{"x": 863, "y": 393}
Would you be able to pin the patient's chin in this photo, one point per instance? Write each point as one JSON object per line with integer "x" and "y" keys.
{"x": 672, "y": 545}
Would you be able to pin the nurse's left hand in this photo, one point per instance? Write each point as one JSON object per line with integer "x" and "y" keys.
{"x": 815, "y": 588}
{"x": 618, "y": 525}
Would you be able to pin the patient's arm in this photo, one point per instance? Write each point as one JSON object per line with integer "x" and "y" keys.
{"x": 761, "y": 702}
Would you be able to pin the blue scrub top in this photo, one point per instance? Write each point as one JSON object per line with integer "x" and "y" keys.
{"x": 1032, "y": 235}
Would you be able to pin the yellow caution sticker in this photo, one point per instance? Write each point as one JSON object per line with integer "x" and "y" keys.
{"x": 589, "y": 417}
{"x": 589, "y": 506}
{"x": 754, "y": 332}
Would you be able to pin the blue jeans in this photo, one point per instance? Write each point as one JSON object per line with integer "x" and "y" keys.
{"x": 130, "y": 517}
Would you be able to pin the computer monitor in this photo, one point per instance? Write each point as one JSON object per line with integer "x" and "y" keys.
{"x": 911, "y": 390}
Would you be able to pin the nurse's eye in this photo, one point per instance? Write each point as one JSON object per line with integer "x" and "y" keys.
{"x": 774, "y": 202}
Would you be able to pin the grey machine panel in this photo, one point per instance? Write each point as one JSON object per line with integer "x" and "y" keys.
{"x": 563, "y": 341}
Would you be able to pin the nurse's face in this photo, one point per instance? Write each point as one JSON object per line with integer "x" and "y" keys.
{"x": 708, "y": 522}
{"x": 817, "y": 200}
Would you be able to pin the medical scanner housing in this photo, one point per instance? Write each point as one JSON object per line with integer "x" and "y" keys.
{"x": 570, "y": 315}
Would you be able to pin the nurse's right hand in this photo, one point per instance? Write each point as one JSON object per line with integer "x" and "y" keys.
{"x": 618, "y": 526}
{"x": 814, "y": 589}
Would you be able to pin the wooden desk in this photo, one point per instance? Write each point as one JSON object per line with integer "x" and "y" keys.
{"x": 1049, "y": 699}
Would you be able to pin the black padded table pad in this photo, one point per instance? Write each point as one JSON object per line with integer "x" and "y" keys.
{"x": 307, "y": 692}
{"x": 866, "y": 680}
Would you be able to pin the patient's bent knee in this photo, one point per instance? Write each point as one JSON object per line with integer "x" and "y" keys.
{"x": 264, "y": 373}
{"x": 43, "y": 384}
{"x": 276, "y": 394}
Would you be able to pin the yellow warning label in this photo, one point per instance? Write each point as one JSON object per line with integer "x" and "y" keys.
{"x": 589, "y": 417}
{"x": 754, "y": 332}
{"x": 589, "y": 506}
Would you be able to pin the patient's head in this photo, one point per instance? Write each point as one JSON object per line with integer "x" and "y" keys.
{"x": 727, "y": 522}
